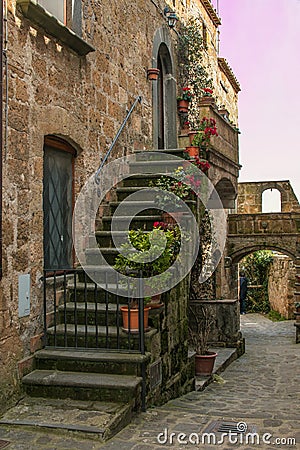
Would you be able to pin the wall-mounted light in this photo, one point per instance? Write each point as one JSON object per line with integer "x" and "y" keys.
{"x": 170, "y": 16}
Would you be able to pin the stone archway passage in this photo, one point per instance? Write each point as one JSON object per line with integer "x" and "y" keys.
{"x": 275, "y": 231}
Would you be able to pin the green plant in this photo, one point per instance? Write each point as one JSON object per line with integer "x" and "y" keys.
{"x": 256, "y": 267}
{"x": 168, "y": 184}
{"x": 192, "y": 72}
{"x": 275, "y": 316}
{"x": 186, "y": 94}
{"x": 152, "y": 254}
{"x": 297, "y": 304}
{"x": 200, "y": 329}
{"x": 199, "y": 139}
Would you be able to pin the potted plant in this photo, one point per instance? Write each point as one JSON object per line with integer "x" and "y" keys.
{"x": 207, "y": 97}
{"x": 160, "y": 257}
{"x": 167, "y": 186}
{"x": 184, "y": 100}
{"x": 199, "y": 334}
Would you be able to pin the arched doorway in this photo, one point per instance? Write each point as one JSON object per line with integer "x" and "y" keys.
{"x": 164, "y": 93}
{"x": 271, "y": 276}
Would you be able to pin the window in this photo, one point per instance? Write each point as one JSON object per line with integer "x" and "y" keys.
{"x": 204, "y": 35}
{"x": 64, "y": 21}
{"x": 61, "y": 9}
{"x": 271, "y": 201}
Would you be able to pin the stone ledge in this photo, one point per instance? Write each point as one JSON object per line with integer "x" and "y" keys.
{"x": 38, "y": 15}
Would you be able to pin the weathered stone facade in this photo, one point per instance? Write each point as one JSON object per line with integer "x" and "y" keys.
{"x": 281, "y": 285}
{"x": 54, "y": 89}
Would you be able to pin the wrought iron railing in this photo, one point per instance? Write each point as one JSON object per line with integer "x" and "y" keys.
{"x": 79, "y": 313}
{"x": 103, "y": 161}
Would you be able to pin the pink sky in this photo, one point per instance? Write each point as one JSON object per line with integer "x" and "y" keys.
{"x": 260, "y": 40}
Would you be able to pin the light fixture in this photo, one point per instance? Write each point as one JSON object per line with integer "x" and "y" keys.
{"x": 170, "y": 16}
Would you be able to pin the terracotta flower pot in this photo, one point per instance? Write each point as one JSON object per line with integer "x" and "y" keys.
{"x": 183, "y": 106}
{"x": 153, "y": 73}
{"x": 134, "y": 318}
{"x": 204, "y": 364}
{"x": 192, "y": 151}
{"x": 192, "y": 134}
{"x": 207, "y": 101}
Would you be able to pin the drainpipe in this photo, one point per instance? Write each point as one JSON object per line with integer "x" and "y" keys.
{"x": 1, "y": 127}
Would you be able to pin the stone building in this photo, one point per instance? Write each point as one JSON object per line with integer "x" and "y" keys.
{"x": 70, "y": 74}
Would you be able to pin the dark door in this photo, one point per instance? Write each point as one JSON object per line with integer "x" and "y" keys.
{"x": 58, "y": 207}
{"x": 160, "y": 100}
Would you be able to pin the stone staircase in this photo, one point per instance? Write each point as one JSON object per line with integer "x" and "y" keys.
{"x": 88, "y": 356}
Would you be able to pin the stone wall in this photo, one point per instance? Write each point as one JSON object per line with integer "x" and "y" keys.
{"x": 282, "y": 285}
{"x": 250, "y": 196}
{"x": 52, "y": 90}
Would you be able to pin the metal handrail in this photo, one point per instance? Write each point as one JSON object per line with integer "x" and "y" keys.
{"x": 137, "y": 100}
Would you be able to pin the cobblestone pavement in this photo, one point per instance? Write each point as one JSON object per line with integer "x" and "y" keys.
{"x": 259, "y": 391}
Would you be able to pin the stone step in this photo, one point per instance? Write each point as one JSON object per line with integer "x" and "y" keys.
{"x": 151, "y": 167}
{"x": 90, "y": 336}
{"x": 109, "y": 253}
{"x": 91, "y": 292}
{"x": 149, "y": 205}
{"x": 143, "y": 222}
{"x": 102, "y": 420}
{"x": 91, "y": 361}
{"x": 141, "y": 180}
{"x": 90, "y": 313}
{"x": 82, "y": 386}
{"x": 170, "y": 151}
{"x": 123, "y": 192}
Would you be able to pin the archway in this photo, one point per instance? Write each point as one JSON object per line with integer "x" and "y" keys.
{"x": 270, "y": 276}
{"x": 164, "y": 93}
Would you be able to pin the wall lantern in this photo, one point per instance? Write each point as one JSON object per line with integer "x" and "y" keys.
{"x": 170, "y": 16}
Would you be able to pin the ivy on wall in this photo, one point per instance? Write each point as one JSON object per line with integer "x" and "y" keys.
{"x": 192, "y": 72}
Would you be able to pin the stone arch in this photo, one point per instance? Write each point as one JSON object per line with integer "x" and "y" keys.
{"x": 227, "y": 192}
{"x": 164, "y": 92}
{"x": 239, "y": 254}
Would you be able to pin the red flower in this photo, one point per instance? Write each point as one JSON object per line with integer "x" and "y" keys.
{"x": 209, "y": 91}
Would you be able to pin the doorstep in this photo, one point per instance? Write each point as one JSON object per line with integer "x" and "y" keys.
{"x": 225, "y": 357}
{"x": 100, "y": 420}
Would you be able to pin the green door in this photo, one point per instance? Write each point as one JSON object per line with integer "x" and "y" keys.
{"x": 58, "y": 207}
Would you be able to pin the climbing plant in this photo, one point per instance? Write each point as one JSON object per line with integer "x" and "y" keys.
{"x": 257, "y": 267}
{"x": 192, "y": 71}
